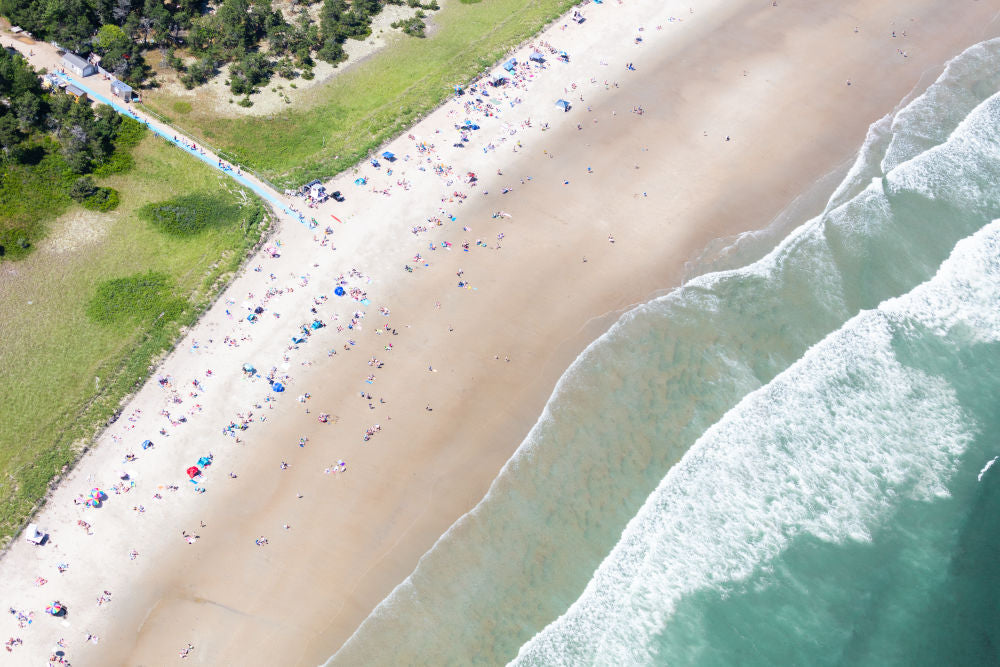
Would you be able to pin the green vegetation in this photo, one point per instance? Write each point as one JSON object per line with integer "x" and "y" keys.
{"x": 211, "y": 32}
{"x": 187, "y": 215}
{"x": 146, "y": 298}
{"x": 103, "y": 199}
{"x": 377, "y": 99}
{"x": 413, "y": 26}
{"x": 31, "y": 195}
{"x": 47, "y": 140}
{"x": 86, "y": 316}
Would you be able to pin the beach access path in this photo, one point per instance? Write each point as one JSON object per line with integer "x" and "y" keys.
{"x": 572, "y": 217}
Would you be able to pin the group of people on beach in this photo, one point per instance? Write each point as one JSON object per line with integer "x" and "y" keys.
{"x": 485, "y": 115}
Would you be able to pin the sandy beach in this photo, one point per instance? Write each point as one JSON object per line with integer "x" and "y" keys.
{"x": 449, "y": 338}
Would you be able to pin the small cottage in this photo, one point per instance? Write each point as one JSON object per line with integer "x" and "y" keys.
{"x": 77, "y": 65}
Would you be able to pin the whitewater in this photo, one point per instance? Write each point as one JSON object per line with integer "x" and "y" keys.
{"x": 787, "y": 462}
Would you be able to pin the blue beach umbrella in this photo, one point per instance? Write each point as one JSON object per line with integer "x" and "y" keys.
{"x": 339, "y": 291}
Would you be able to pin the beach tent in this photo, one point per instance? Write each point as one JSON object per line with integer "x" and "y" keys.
{"x": 389, "y": 156}
{"x": 204, "y": 461}
{"x": 146, "y": 444}
{"x": 537, "y": 57}
{"x": 248, "y": 368}
{"x": 510, "y": 64}
{"x": 33, "y": 534}
{"x": 498, "y": 79}
{"x": 563, "y": 56}
{"x": 563, "y": 103}
{"x": 193, "y": 472}
{"x": 360, "y": 181}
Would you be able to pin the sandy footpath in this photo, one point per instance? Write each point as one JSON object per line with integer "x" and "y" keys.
{"x": 744, "y": 106}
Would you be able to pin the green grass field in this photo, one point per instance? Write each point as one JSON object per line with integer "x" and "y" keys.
{"x": 72, "y": 345}
{"x": 374, "y": 100}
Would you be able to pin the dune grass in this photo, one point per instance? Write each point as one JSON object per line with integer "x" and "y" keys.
{"x": 374, "y": 100}
{"x": 30, "y": 194}
{"x": 89, "y": 311}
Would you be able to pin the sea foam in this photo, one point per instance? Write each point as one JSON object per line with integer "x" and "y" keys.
{"x": 640, "y": 396}
{"x": 828, "y": 448}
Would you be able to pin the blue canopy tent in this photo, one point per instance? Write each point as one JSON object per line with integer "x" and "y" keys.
{"x": 537, "y": 57}
{"x": 389, "y": 156}
{"x": 510, "y": 64}
{"x": 498, "y": 79}
{"x": 563, "y": 103}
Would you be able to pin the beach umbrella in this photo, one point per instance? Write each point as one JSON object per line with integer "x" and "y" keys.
{"x": 339, "y": 291}
{"x": 204, "y": 461}
{"x": 277, "y": 387}
{"x": 193, "y": 472}
{"x": 247, "y": 368}
{"x": 563, "y": 103}
{"x": 55, "y": 608}
{"x": 96, "y": 494}
{"x": 146, "y": 444}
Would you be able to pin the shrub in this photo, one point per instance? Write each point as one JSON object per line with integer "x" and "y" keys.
{"x": 249, "y": 73}
{"x": 82, "y": 188}
{"x": 286, "y": 69}
{"x": 130, "y": 132}
{"x": 413, "y": 26}
{"x": 199, "y": 72}
{"x": 188, "y": 215}
{"x": 105, "y": 199}
{"x": 142, "y": 297}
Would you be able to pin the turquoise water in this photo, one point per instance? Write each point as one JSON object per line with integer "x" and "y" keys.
{"x": 779, "y": 464}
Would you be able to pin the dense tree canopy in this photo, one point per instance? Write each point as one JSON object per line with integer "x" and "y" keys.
{"x": 210, "y": 33}
{"x": 29, "y": 115}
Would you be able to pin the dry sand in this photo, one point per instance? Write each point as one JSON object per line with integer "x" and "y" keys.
{"x": 771, "y": 78}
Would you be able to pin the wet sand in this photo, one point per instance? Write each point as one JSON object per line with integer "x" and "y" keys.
{"x": 771, "y": 79}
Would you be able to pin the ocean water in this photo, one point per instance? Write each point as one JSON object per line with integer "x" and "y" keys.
{"x": 784, "y": 463}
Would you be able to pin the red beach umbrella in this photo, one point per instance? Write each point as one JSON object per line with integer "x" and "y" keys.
{"x": 193, "y": 472}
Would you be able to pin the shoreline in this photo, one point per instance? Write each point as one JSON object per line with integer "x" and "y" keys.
{"x": 359, "y": 533}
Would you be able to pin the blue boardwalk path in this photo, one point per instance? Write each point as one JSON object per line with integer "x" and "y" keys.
{"x": 167, "y": 133}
